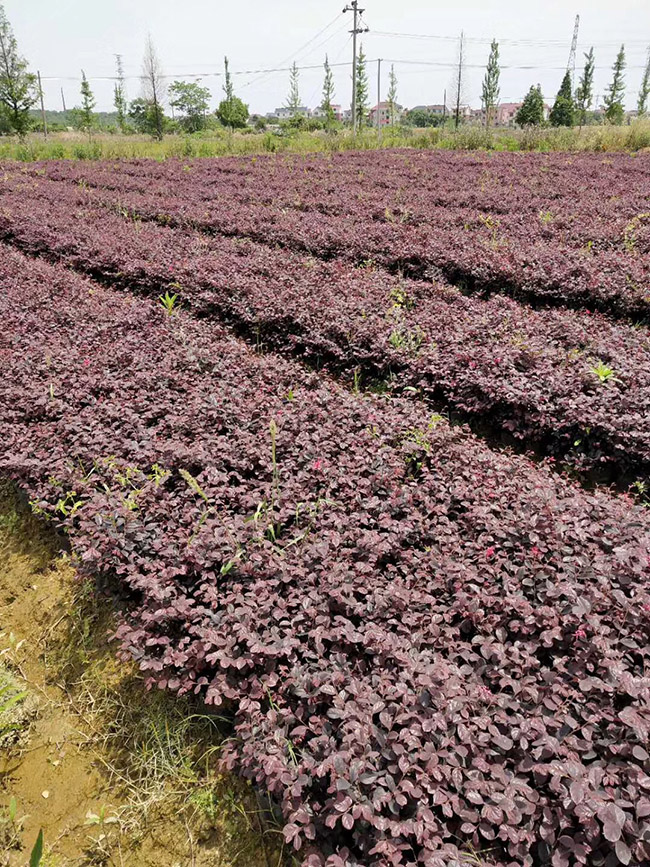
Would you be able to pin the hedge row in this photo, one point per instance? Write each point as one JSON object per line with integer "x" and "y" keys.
{"x": 574, "y": 387}
{"x": 429, "y": 649}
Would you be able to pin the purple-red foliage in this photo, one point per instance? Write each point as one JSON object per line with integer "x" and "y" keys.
{"x": 427, "y": 646}
{"x": 529, "y": 374}
{"x": 553, "y": 228}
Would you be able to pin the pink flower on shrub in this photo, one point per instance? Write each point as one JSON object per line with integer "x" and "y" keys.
{"x": 490, "y": 552}
{"x": 535, "y": 551}
{"x": 86, "y": 362}
{"x": 317, "y": 465}
{"x": 580, "y": 632}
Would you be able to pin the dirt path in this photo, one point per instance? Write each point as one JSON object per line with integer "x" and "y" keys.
{"x": 111, "y": 774}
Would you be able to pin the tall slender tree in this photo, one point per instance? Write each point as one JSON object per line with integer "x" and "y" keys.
{"x": 228, "y": 87}
{"x": 361, "y": 108}
{"x": 614, "y": 111}
{"x": 328, "y": 94}
{"x": 18, "y": 87}
{"x": 293, "y": 100}
{"x": 563, "y": 111}
{"x": 119, "y": 94}
{"x": 644, "y": 90}
{"x": 459, "y": 80}
{"x": 584, "y": 91}
{"x": 86, "y": 113}
{"x": 152, "y": 86}
{"x": 490, "y": 92}
{"x": 392, "y": 95}
{"x": 232, "y": 111}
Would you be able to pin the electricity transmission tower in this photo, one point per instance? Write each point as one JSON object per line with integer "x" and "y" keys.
{"x": 571, "y": 65}
{"x": 354, "y": 7}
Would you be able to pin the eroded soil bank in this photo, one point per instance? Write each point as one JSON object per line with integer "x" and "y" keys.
{"x": 112, "y": 774}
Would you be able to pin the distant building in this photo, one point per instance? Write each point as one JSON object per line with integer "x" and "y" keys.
{"x": 383, "y": 111}
{"x": 285, "y": 113}
{"x": 432, "y": 109}
{"x": 319, "y": 113}
{"x": 506, "y": 113}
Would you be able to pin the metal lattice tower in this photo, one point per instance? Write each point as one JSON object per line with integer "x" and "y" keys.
{"x": 571, "y": 65}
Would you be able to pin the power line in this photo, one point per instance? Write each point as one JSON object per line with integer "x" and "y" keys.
{"x": 193, "y": 74}
{"x": 452, "y": 65}
{"x": 295, "y": 54}
{"x": 439, "y": 63}
{"x": 546, "y": 43}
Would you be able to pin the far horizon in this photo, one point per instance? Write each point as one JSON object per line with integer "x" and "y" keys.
{"x": 421, "y": 43}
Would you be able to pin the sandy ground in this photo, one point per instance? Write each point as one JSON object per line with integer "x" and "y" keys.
{"x": 63, "y": 768}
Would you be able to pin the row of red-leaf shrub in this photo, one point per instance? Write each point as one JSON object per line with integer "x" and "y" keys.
{"x": 527, "y": 231}
{"x": 429, "y": 648}
{"x": 552, "y": 195}
{"x": 573, "y": 386}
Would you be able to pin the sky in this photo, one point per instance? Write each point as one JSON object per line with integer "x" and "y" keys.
{"x": 419, "y": 37}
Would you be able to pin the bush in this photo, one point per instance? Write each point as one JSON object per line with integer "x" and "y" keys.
{"x": 428, "y": 648}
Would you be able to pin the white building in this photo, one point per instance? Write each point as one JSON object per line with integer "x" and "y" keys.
{"x": 284, "y": 113}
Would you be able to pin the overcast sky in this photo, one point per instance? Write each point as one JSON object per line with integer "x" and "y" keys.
{"x": 61, "y": 38}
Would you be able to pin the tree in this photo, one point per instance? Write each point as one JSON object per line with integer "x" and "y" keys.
{"x": 644, "y": 90}
{"x": 421, "y": 117}
{"x": 146, "y": 117}
{"x": 392, "y": 96}
{"x": 232, "y": 111}
{"x": 490, "y": 91}
{"x": 18, "y": 87}
{"x": 228, "y": 87}
{"x": 152, "y": 87}
{"x": 119, "y": 94}
{"x": 614, "y": 111}
{"x": 563, "y": 111}
{"x": 293, "y": 100}
{"x": 584, "y": 91}
{"x": 192, "y": 102}
{"x": 328, "y": 95}
{"x": 459, "y": 79}
{"x": 361, "y": 108}
{"x": 86, "y": 114}
{"x": 531, "y": 112}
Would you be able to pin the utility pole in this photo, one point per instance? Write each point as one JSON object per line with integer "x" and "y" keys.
{"x": 40, "y": 93}
{"x": 459, "y": 81}
{"x": 571, "y": 65}
{"x": 354, "y": 7}
{"x": 63, "y": 101}
{"x": 444, "y": 108}
{"x": 378, "y": 98}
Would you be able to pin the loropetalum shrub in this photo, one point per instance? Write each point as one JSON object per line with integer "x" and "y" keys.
{"x": 550, "y": 228}
{"x": 574, "y": 386}
{"x": 431, "y": 651}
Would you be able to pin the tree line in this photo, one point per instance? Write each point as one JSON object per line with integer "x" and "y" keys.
{"x": 19, "y": 92}
{"x": 569, "y": 108}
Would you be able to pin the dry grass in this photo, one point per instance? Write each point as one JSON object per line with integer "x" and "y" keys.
{"x": 132, "y": 775}
{"x": 634, "y": 137}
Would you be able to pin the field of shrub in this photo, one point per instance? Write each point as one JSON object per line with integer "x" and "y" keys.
{"x": 362, "y": 443}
